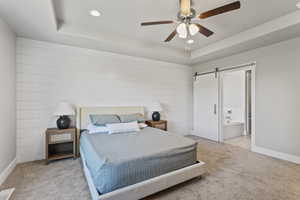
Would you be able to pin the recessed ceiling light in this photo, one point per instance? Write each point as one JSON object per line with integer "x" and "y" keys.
{"x": 95, "y": 13}
{"x": 190, "y": 41}
{"x": 298, "y": 5}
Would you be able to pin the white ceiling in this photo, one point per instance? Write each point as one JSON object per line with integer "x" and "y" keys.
{"x": 118, "y": 29}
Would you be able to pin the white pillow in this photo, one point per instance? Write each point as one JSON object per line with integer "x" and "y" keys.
{"x": 123, "y": 127}
{"x": 142, "y": 125}
{"x": 96, "y": 129}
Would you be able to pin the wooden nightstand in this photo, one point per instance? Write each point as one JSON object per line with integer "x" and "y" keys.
{"x": 60, "y": 143}
{"x": 162, "y": 124}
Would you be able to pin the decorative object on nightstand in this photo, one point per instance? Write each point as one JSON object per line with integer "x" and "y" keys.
{"x": 161, "y": 124}
{"x": 156, "y": 108}
{"x": 60, "y": 143}
{"x": 64, "y": 110}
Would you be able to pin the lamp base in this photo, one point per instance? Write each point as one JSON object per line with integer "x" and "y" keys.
{"x": 156, "y": 116}
{"x": 63, "y": 122}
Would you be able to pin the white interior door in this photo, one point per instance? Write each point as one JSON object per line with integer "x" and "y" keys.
{"x": 206, "y": 107}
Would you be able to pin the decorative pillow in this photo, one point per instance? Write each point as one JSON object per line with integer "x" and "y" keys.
{"x": 102, "y": 120}
{"x": 142, "y": 125}
{"x": 96, "y": 129}
{"x": 132, "y": 117}
{"x": 123, "y": 127}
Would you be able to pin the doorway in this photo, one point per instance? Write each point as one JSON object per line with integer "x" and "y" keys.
{"x": 224, "y": 102}
{"x": 236, "y": 104}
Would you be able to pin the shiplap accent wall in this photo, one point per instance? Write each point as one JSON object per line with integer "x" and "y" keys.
{"x": 48, "y": 73}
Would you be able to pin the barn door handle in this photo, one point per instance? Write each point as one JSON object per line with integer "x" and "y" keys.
{"x": 215, "y": 109}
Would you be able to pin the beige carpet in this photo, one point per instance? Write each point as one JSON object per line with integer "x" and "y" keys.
{"x": 233, "y": 174}
{"x": 242, "y": 141}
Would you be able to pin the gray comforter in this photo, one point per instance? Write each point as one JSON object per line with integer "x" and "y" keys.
{"x": 119, "y": 160}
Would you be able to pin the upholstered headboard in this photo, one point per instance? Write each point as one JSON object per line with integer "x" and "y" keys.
{"x": 83, "y": 118}
{"x": 83, "y": 113}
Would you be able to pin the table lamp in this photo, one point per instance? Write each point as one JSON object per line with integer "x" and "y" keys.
{"x": 64, "y": 110}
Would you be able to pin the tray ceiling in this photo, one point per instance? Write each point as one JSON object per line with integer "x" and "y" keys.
{"x": 118, "y": 28}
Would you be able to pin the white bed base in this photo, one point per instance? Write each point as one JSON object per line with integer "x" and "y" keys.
{"x": 144, "y": 188}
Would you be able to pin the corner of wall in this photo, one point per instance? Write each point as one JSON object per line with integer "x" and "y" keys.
{"x": 8, "y": 102}
{"x": 7, "y": 171}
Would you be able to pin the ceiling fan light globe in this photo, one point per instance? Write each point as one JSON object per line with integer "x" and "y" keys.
{"x": 182, "y": 30}
{"x": 190, "y": 41}
{"x": 95, "y": 13}
{"x": 193, "y": 29}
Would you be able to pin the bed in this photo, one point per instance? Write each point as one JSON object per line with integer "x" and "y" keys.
{"x": 131, "y": 166}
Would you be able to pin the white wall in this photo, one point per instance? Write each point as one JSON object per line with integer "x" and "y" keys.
{"x": 234, "y": 95}
{"x": 48, "y": 73}
{"x": 7, "y": 99}
{"x": 277, "y": 94}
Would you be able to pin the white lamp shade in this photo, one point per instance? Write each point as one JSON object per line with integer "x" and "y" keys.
{"x": 182, "y": 30}
{"x": 156, "y": 107}
{"x": 64, "y": 108}
{"x": 194, "y": 29}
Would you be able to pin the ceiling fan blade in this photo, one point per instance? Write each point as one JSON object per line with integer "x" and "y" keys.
{"x": 223, "y": 9}
{"x": 204, "y": 30}
{"x": 185, "y": 7}
{"x": 156, "y": 23}
{"x": 171, "y": 36}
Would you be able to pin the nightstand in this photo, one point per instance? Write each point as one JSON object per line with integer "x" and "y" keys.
{"x": 161, "y": 124}
{"x": 60, "y": 143}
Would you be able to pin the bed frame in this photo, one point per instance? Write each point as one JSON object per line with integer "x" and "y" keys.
{"x": 141, "y": 189}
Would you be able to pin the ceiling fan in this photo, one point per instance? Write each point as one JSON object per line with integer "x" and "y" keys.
{"x": 185, "y": 16}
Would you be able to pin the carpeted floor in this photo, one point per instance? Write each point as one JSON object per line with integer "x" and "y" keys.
{"x": 242, "y": 141}
{"x": 233, "y": 173}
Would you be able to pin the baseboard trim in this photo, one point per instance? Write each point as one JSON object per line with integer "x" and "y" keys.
{"x": 190, "y": 132}
{"x": 276, "y": 154}
{"x": 7, "y": 171}
{"x": 6, "y": 194}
